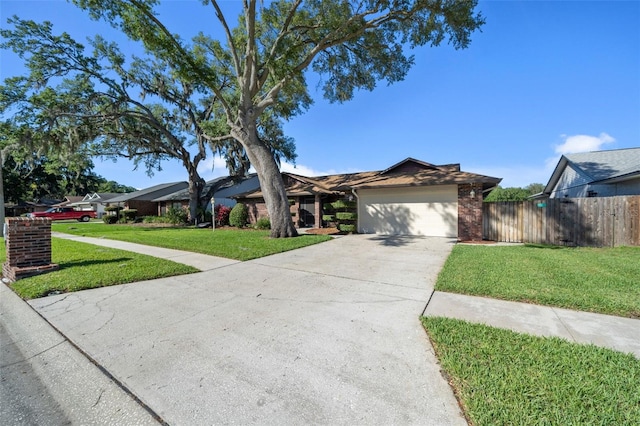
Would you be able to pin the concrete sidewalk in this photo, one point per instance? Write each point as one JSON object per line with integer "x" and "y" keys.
{"x": 75, "y": 390}
{"x": 618, "y": 333}
{"x": 202, "y": 262}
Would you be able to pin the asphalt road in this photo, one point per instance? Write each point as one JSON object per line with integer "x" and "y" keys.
{"x": 24, "y": 399}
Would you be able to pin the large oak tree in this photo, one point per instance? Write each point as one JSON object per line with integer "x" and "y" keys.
{"x": 110, "y": 105}
{"x": 258, "y": 67}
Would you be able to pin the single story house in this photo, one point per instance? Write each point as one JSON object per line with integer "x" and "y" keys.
{"x": 24, "y": 207}
{"x": 96, "y": 202}
{"x": 411, "y": 197}
{"x": 595, "y": 174}
{"x": 143, "y": 200}
{"x": 69, "y": 200}
{"x": 224, "y": 188}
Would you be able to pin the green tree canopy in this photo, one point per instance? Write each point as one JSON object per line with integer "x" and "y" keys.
{"x": 102, "y": 103}
{"x": 514, "y": 194}
{"x": 257, "y": 71}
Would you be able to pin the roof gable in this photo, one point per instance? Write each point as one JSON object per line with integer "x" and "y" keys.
{"x": 598, "y": 166}
{"x": 409, "y": 165}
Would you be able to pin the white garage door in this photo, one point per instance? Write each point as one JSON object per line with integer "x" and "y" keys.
{"x": 430, "y": 211}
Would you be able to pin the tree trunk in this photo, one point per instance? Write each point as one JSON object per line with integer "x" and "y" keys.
{"x": 271, "y": 183}
{"x": 196, "y": 185}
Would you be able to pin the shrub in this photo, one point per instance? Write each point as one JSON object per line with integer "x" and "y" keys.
{"x": 155, "y": 219}
{"x": 343, "y": 205}
{"x": 238, "y": 216}
{"x": 177, "y": 215}
{"x": 346, "y": 216}
{"x": 347, "y": 227}
{"x": 129, "y": 214}
{"x": 263, "y": 223}
{"x": 328, "y": 217}
{"x": 222, "y": 214}
{"x": 109, "y": 219}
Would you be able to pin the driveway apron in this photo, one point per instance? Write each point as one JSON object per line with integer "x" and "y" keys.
{"x": 327, "y": 334}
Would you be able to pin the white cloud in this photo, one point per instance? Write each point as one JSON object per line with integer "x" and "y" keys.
{"x": 216, "y": 166}
{"x": 212, "y": 167}
{"x": 575, "y": 144}
{"x": 300, "y": 169}
{"x": 583, "y": 143}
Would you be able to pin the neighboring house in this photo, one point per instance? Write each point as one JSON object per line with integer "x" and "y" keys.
{"x": 68, "y": 201}
{"x": 24, "y": 207}
{"x": 411, "y": 197}
{"x": 595, "y": 174}
{"x": 96, "y": 202}
{"x": 224, "y": 188}
{"x": 143, "y": 200}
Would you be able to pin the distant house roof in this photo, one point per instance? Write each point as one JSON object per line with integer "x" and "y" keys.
{"x": 610, "y": 166}
{"x": 151, "y": 193}
{"x": 183, "y": 193}
{"x": 104, "y": 195}
{"x": 69, "y": 199}
{"x": 408, "y": 172}
{"x": 212, "y": 186}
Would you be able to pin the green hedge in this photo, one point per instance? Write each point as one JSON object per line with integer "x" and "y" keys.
{"x": 328, "y": 217}
{"x": 109, "y": 220}
{"x": 346, "y": 216}
{"x": 129, "y": 214}
{"x": 347, "y": 227}
{"x": 343, "y": 205}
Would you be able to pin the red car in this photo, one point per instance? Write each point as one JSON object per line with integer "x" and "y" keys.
{"x": 65, "y": 213}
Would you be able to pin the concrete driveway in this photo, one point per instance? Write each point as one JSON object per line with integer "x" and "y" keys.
{"x": 328, "y": 334}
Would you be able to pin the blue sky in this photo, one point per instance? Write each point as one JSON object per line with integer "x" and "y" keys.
{"x": 543, "y": 78}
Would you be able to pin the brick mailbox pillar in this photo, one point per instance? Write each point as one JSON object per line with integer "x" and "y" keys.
{"x": 28, "y": 244}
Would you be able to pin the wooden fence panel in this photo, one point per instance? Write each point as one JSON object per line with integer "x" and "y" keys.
{"x": 603, "y": 221}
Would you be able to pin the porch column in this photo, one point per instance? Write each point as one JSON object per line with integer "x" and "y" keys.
{"x": 318, "y": 209}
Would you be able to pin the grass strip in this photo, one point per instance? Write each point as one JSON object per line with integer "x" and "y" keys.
{"x": 229, "y": 243}
{"x": 506, "y": 378}
{"x": 603, "y": 280}
{"x": 85, "y": 266}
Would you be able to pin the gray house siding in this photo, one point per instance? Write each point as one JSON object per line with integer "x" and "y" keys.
{"x": 572, "y": 184}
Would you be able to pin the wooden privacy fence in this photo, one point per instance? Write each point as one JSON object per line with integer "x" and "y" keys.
{"x": 596, "y": 222}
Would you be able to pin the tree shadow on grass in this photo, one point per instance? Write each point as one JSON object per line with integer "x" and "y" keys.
{"x": 81, "y": 263}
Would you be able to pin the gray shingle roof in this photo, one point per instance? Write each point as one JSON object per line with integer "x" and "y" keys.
{"x": 150, "y": 193}
{"x": 600, "y": 165}
{"x": 183, "y": 194}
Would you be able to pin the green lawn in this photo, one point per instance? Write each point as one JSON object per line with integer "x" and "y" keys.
{"x": 229, "y": 243}
{"x": 603, "y": 280}
{"x": 505, "y": 378}
{"x": 84, "y": 266}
